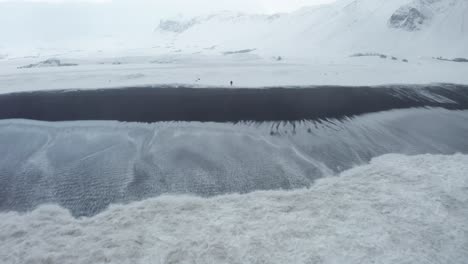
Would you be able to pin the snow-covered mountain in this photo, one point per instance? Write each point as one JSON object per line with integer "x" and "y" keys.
{"x": 397, "y": 27}
{"x": 314, "y": 45}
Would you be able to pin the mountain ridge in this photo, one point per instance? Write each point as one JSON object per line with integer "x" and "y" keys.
{"x": 400, "y": 27}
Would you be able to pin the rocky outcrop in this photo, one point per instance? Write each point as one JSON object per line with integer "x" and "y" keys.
{"x": 407, "y": 18}
{"x": 175, "y": 26}
{"x": 48, "y": 63}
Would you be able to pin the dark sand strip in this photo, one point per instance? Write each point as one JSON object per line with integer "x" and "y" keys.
{"x": 225, "y": 105}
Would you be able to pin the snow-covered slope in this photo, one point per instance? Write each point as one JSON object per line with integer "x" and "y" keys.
{"x": 397, "y": 27}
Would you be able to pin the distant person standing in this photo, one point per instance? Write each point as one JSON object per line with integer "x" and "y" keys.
{"x": 232, "y": 83}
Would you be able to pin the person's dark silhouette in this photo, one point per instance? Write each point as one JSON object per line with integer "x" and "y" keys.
{"x": 232, "y": 83}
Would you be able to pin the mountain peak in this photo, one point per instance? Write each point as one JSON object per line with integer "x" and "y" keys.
{"x": 415, "y": 15}
{"x": 179, "y": 25}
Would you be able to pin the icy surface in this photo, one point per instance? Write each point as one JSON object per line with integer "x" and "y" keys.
{"x": 397, "y": 209}
{"x": 85, "y": 166}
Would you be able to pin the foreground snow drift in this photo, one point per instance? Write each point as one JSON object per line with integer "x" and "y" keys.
{"x": 397, "y": 209}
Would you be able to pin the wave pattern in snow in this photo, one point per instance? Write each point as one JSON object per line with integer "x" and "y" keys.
{"x": 86, "y": 166}
{"x": 397, "y": 209}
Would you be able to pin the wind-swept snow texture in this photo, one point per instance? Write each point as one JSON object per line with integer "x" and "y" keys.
{"x": 86, "y": 166}
{"x": 397, "y": 209}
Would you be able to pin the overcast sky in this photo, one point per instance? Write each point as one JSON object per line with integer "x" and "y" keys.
{"x": 43, "y": 20}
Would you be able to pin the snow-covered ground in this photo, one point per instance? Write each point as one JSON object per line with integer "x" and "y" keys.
{"x": 397, "y": 209}
{"x": 218, "y": 71}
